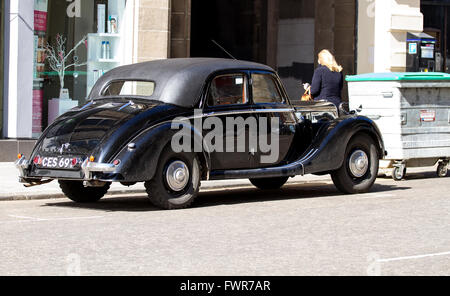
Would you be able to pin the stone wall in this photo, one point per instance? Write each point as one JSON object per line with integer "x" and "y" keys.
{"x": 153, "y": 30}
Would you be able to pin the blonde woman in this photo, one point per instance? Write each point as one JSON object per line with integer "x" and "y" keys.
{"x": 327, "y": 80}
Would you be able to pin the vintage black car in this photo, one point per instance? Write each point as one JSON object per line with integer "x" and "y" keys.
{"x": 125, "y": 133}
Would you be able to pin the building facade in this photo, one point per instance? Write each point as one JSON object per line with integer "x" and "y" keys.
{"x": 365, "y": 35}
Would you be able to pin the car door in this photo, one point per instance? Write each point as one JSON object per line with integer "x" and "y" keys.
{"x": 227, "y": 103}
{"x": 276, "y": 119}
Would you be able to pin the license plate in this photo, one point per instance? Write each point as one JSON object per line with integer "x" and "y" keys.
{"x": 428, "y": 115}
{"x": 57, "y": 162}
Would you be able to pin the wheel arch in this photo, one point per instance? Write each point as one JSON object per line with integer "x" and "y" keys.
{"x": 139, "y": 164}
{"x": 331, "y": 142}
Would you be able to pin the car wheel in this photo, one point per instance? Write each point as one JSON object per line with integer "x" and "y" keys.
{"x": 269, "y": 183}
{"x": 76, "y": 191}
{"x": 176, "y": 182}
{"x": 360, "y": 168}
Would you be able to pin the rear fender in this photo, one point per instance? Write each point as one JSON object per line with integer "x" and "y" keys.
{"x": 331, "y": 141}
{"x": 139, "y": 158}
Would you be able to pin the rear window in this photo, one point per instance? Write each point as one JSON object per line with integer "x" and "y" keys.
{"x": 129, "y": 88}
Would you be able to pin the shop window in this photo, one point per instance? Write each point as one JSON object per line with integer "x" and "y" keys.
{"x": 87, "y": 35}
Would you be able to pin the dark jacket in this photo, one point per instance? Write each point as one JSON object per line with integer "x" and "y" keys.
{"x": 327, "y": 85}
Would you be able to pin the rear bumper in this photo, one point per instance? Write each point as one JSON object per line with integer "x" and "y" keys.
{"x": 26, "y": 172}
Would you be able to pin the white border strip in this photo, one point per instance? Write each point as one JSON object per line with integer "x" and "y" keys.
{"x": 413, "y": 257}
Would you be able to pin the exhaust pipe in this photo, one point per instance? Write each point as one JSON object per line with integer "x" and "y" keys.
{"x": 29, "y": 183}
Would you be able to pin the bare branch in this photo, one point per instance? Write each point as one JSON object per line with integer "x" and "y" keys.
{"x": 75, "y": 47}
{"x": 75, "y": 64}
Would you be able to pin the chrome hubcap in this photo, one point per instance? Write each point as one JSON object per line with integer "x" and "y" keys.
{"x": 358, "y": 163}
{"x": 177, "y": 175}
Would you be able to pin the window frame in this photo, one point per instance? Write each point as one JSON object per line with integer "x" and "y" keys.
{"x": 246, "y": 77}
{"x": 275, "y": 79}
{"x": 106, "y": 86}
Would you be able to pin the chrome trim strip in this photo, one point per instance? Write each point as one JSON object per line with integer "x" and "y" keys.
{"x": 125, "y": 105}
{"x": 246, "y": 111}
{"x": 85, "y": 106}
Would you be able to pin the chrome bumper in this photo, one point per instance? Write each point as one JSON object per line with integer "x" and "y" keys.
{"x": 89, "y": 167}
{"x": 22, "y": 164}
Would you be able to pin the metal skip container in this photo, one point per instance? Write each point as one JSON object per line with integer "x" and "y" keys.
{"x": 412, "y": 111}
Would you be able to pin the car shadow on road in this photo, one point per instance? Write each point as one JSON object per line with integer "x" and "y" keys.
{"x": 140, "y": 202}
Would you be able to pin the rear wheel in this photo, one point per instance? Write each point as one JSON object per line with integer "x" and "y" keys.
{"x": 76, "y": 191}
{"x": 269, "y": 183}
{"x": 360, "y": 168}
{"x": 176, "y": 182}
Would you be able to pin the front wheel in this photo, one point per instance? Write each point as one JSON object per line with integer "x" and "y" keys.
{"x": 76, "y": 191}
{"x": 176, "y": 182}
{"x": 360, "y": 168}
{"x": 269, "y": 183}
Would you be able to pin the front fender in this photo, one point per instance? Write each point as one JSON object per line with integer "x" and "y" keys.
{"x": 139, "y": 163}
{"x": 331, "y": 141}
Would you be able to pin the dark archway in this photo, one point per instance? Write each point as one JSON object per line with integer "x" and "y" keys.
{"x": 240, "y": 26}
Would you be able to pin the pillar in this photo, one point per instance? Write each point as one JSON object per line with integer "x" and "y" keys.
{"x": 393, "y": 19}
{"x": 19, "y": 82}
{"x": 153, "y": 30}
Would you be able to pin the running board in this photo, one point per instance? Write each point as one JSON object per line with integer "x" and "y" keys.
{"x": 288, "y": 170}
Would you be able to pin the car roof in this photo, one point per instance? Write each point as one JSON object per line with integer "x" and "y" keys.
{"x": 177, "y": 81}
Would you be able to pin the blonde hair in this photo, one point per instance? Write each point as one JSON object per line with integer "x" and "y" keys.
{"x": 327, "y": 59}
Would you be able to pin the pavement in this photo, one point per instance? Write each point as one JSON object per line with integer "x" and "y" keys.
{"x": 11, "y": 189}
{"x": 305, "y": 228}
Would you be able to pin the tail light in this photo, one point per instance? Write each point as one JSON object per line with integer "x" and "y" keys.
{"x": 37, "y": 159}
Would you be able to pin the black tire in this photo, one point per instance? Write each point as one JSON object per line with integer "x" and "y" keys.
{"x": 344, "y": 179}
{"x": 269, "y": 183}
{"x": 397, "y": 174}
{"x": 78, "y": 193}
{"x": 159, "y": 190}
{"x": 442, "y": 170}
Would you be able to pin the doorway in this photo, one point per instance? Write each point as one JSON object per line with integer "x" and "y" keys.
{"x": 436, "y": 23}
{"x": 238, "y": 26}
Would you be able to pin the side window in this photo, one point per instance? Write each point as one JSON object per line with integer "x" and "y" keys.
{"x": 227, "y": 89}
{"x": 264, "y": 89}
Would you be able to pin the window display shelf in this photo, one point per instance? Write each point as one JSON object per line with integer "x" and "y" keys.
{"x": 103, "y": 35}
{"x": 100, "y": 59}
{"x": 105, "y": 61}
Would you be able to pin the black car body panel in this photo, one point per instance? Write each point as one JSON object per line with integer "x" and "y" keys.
{"x": 125, "y": 135}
